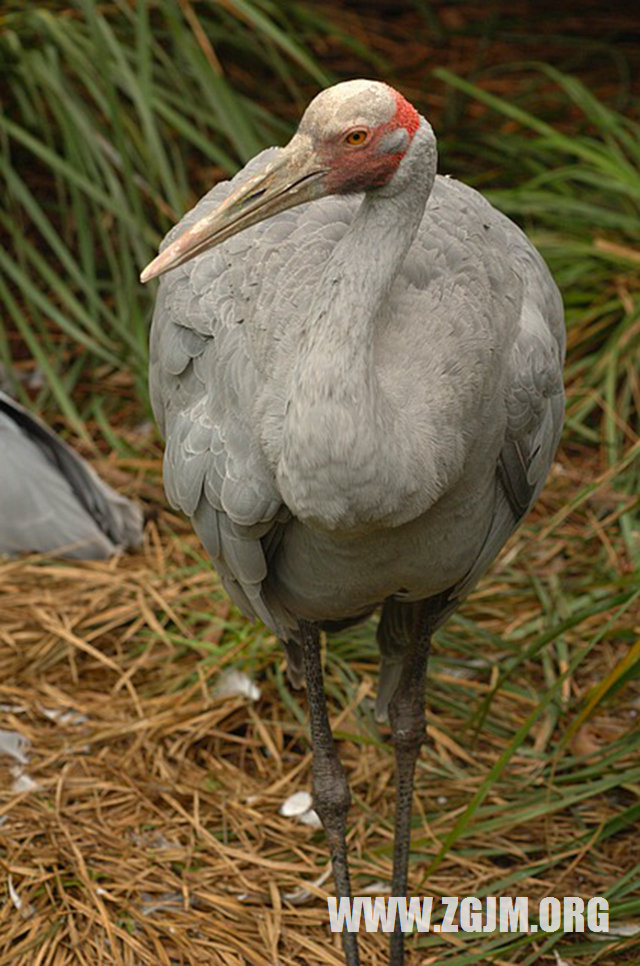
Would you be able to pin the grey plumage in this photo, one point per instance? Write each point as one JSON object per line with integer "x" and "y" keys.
{"x": 51, "y": 500}
{"x": 475, "y": 316}
{"x": 361, "y": 397}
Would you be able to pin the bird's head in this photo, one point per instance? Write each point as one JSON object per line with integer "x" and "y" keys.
{"x": 352, "y": 137}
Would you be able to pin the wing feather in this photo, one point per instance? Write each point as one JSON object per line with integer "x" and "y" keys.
{"x": 534, "y": 402}
{"x": 204, "y": 383}
{"x": 51, "y": 500}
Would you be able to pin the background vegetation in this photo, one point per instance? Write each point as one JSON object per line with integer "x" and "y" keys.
{"x": 115, "y": 118}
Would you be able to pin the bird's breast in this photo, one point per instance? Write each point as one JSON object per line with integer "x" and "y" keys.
{"x": 320, "y": 574}
{"x": 326, "y": 469}
{"x": 345, "y": 467}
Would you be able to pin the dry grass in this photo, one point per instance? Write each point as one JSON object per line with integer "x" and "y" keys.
{"x": 153, "y": 835}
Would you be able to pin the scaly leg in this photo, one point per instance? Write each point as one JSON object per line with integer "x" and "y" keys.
{"x": 331, "y": 798}
{"x": 407, "y": 720}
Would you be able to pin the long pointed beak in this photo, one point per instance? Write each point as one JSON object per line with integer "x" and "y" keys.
{"x": 293, "y": 178}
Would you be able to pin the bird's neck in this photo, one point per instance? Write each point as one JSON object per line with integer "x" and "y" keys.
{"x": 336, "y": 424}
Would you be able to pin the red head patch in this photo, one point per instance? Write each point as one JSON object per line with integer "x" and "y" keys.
{"x": 406, "y": 115}
{"x": 370, "y": 162}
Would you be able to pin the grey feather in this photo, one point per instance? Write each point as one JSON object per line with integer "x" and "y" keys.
{"x": 51, "y": 501}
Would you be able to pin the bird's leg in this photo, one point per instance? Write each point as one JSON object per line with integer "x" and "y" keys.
{"x": 331, "y": 798}
{"x": 407, "y": 720}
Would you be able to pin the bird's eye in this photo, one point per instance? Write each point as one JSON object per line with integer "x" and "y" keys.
{"x": 356, "y": 137}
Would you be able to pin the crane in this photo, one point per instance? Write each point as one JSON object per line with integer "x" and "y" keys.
{"x": 51, "y": 500}
{"x": 357, "y": 368}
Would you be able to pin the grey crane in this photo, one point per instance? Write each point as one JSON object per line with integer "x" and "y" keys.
{"x": 360, "y": 388}
{"x": 51, "y": 500}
